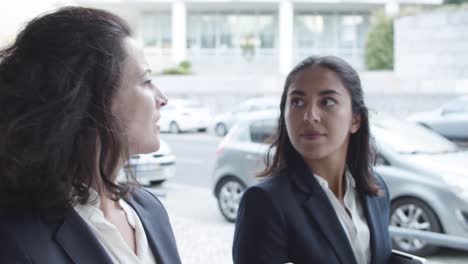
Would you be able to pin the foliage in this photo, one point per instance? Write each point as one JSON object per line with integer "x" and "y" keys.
{"x": 184, "y": 67}
{"x": 379, "y": 45}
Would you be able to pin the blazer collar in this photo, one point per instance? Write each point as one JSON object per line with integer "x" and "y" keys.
{"x": 375, "y": 226}
{"x": 320, "y": 210}
{"x": 155, "y": 232}
{"x": 78, "y": 241}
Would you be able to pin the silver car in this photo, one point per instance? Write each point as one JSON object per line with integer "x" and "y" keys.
{"x": 224, "y": 121}
{"x": 152, "y": 168}
{"x": 450, "y": 120}
{"x": 425, "y": 173}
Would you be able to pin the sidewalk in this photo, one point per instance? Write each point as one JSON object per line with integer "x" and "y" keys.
{"x": 203, "y": 236}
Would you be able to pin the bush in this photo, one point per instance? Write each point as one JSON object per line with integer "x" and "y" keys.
{"x": 379, "y": 45}
{"x": 185, "y": 67}
{"x": 455, "y": 2}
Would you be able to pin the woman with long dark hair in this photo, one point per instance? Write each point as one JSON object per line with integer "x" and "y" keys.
{"x": 76, "y": 101}
{"x": 321, "y": 201}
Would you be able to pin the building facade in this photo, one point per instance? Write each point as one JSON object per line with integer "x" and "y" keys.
{"x": 252, "y": 37}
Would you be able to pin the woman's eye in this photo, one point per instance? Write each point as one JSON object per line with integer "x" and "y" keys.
{"x": 328, "y": 102}
{"x": 296, "y": 102}
{"x": 147, "y": 82}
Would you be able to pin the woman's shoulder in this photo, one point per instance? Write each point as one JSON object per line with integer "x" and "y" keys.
{"x": 274, "y": 188}
{"x": 145, "y": 199}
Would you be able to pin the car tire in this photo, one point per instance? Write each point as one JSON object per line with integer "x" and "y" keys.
{"x": 414, "y": 214}
{"x": 174, "y": 128}
{"x": 221, "y": 129}
{"x": 229, "y": 192}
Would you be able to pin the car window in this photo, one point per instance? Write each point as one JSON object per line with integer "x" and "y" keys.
{"x": 406, "y": 137}
{"x": 262, "y": 131}
{"x": 381, "y": 160}
{"x": 240, "y": 133}
{"x": 458, "y": 106}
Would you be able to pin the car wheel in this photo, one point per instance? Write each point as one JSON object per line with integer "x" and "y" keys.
{"x": 174, "y": 128}
{"x": 229, "y": 193}
{"x": 221, "y": 129}
{"x": 415, "y": 214}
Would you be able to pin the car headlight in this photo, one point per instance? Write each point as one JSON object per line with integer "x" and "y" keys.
{"x": 458, "y": 184}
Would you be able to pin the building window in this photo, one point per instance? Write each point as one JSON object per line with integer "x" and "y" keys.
{"x": 226, "y": 30}
{"x": 156, "y": 30}
{"x": 331, "y": 30}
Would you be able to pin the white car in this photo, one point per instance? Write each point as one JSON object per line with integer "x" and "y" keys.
{"x": 181, "y": 115}
{"x": 153, "y": 168}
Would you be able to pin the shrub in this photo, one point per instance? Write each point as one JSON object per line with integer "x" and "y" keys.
{"x": 379, "y": 45}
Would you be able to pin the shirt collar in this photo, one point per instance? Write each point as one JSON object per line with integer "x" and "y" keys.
{"x": 348, "y": 178}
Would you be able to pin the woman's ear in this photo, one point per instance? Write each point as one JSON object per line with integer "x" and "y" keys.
{"x": 355, "y": 123}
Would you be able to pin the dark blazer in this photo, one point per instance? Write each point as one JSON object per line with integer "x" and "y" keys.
{"x": 33, "y": 239}
{"x": 289, "y": 218}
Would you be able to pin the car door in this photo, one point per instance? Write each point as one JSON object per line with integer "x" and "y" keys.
{"x": 168, "y": 114}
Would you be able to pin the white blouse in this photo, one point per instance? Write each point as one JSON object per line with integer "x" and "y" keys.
{"x": 110, "y": 238}
{"x": 354, "y": 223}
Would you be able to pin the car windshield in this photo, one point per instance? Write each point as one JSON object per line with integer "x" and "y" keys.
{"x": 407, "y": 137}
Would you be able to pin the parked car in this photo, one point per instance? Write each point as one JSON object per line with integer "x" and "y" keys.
{"x": 223, "y": 122}
{"x": 181, "y": 115}
{"x": 153, "y": 168}
{"x": 425, "y": 173}
{"x": 450, "y": 120}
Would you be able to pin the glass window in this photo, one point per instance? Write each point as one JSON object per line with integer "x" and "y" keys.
{"x": 315, "y": 31}
{"x": 456, "y": 107}
{"x": 156, "y": 30}
{"x": 352, "y": 28}
{"x": 263, "y": 131}
{"x": 231, "y": 30}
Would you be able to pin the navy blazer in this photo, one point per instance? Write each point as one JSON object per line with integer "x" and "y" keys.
{"x": 35, "y": 239}
{"x": 289, "y": 218}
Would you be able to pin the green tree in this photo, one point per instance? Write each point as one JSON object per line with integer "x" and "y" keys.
{"x": 455, "y": 2}
{"x": 379, "y": 45}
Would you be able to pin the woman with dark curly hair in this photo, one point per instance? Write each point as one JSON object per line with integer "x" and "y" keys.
{"x": 321, "y": 203}
{"x": 76, "y": 101}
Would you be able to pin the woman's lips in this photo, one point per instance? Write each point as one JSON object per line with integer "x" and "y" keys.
{"x": 311, "y": 136}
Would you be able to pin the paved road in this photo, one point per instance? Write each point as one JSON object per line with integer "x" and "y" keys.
{"x": 196, "y": 156}
{"x": 202, "y": 233}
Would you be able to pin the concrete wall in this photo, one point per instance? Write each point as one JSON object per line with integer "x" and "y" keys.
{"x": 433, "y": 47}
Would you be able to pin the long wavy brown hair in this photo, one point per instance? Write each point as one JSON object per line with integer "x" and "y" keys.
{"x": 57, "y": 82}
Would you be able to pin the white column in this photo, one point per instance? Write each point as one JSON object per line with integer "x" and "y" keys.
{"x": 392, "y": 8}
{"x": 286, "y": 36}
{"x": 179, "y": 31}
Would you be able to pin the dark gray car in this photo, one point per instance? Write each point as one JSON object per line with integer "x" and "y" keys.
{"x": 425, "y": 174}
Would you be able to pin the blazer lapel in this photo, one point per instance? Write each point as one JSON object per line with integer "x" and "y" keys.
{"x": 371, "y": 206}
{"x": 78, "y": 241}
{"x": 155, "y": 233}
{"x": 321, "y": 211}
{"x": 319, "y": 208}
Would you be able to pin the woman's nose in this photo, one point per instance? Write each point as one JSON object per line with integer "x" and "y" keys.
{"x": 312, "y": 115}
{"x": 161, "y": 98}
